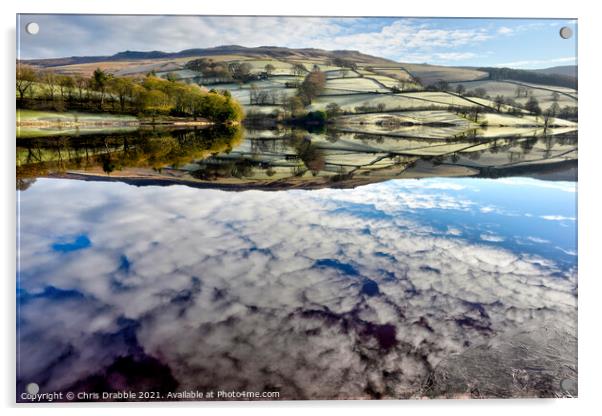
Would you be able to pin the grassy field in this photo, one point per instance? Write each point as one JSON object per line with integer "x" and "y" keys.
{"x": 400, "y": 73}
{"x": 543, "y": 93}
{"x": 429, "y": 74}
{"x": 134, "y": 67}
{"x": 371, "y": 86}
{"x": 31, "y": 123}
{"x": 355, "y": 85}
{"x": 26, "y": 116}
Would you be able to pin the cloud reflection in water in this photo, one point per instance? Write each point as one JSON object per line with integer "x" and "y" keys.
{"x": 319, "y": 294}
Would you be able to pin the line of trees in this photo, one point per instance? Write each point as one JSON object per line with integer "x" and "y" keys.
{"x": 343, "y": 63}
{"x": 148, "y": 149}
{"x": 220, "y": 72}
{"x": 146, "y": 96}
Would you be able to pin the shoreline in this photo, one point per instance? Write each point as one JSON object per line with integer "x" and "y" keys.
{"x": 26, "y": 118}
{"x": 112, "y": 123}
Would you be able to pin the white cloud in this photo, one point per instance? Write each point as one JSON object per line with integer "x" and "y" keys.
{"x": 504, "y": 30}
{"x": 540, "y": 63}
{"x": 569, "y": 252}
{"x": 560, "y": 186}
{"x": 405, "y": 36}
{"x": 538, "y": 240}
{"x": 454, "y": 231}
{"x": 455, "y": 56}
{"x": 403, "y": 39}
{"x": 557, "y": 218}
{"x": 492, "y": 238}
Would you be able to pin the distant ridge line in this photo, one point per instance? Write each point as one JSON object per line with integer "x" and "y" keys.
{"x": 270, "y": 51}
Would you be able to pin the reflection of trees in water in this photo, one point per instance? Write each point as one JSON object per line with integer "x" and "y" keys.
{"x": 515, "y": 149}
{"x": 263, "y": 145}
{"x": 475, "y": 155}
{"x": 295, "y": 147}
{"x": 333, "y": 135}
{"x": 548, "y": 142}
{"x": 367, "y": 138}
{"x": 24, "y": 183}
{"x": 154, "y": 149}
{"x": 515, "y": 156}
{"x": 528, "y": 144}
{"x": 289, "y": 149}
{"x": 566, "y": 139}
{"x": 228, "y": 169}
{"x": 311, "y": 155}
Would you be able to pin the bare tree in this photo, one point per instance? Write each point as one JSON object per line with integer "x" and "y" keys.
{"x": 521, "y": 92}
{"x": 299, "y": 69}
{"x": 499, "y": 101}
{"x": 532, "y": 106}
{"x": 65, "y": 86}
{"x": 49, "y": 79}
{"x": 554, "y": 109}
{"x": 81, "y": 85}
{"x": 548, "y": 118}
{"x": 26, "y": 76}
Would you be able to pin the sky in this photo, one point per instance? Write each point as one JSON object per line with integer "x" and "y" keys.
{"x": 519, "y": 43}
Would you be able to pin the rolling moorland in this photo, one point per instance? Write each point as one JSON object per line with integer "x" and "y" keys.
{"x": 312, "y": 117}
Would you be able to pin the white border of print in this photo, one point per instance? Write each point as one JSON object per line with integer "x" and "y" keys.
{"x": 589, "y": 196}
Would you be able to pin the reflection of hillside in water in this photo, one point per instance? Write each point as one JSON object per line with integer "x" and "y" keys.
{"x": 285, "y": 157}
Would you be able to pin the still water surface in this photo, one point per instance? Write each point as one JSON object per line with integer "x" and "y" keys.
{"x": 438, "y": 287}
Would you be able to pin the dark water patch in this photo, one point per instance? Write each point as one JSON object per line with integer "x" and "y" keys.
{"x": 133, "y": 373}
{"x": 423, "y": 322}
{"x": 479, "y": 308}
{"x": 218, "y": 294}
{"x": 468, "y": 322}
{"x": 387, "y": 275}
{"x": 185, "y": 297}
{"x": 385, "y": 255}
{"x": 124, "y": 264}
{"x": 254, "y": 249}
{"x": 430, "y": 269}
{"x": 370, "y": 288}
{"x": 49, "y": 292}
{"x": 78, "y": 243}
{"x": 385, "y": 334}
{"x": 345, "y": 268}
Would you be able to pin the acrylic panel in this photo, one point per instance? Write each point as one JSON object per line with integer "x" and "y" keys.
{"x": 295, "y": 208}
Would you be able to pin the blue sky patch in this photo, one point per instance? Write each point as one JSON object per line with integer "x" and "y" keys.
{"x": 80, "y": 242}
